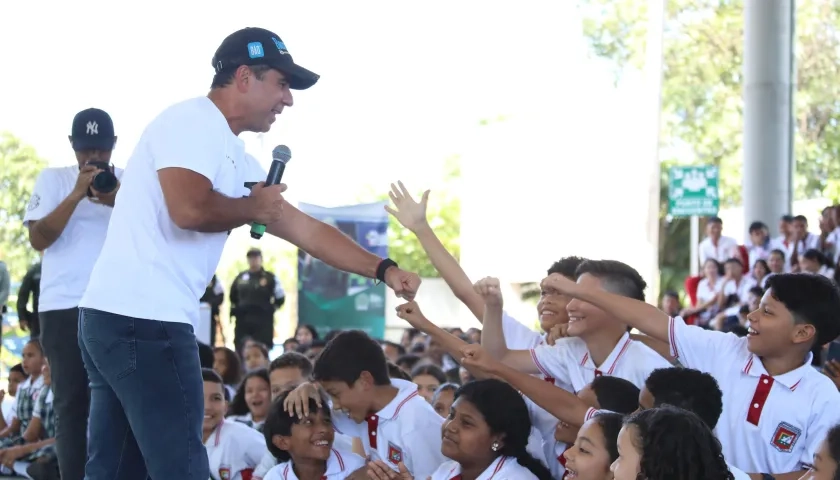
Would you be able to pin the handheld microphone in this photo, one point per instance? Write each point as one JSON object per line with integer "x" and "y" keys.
{"x": 280, "y": 156}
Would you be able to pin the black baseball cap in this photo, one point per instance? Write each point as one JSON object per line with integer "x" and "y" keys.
{"x": 258, "y": 46}
{"x": 92, "y": 129}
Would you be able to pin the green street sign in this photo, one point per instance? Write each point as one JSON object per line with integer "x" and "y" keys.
{"x": 693, "y": 191}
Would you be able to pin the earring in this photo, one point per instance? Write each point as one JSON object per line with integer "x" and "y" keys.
{"x": 495, "y": 446}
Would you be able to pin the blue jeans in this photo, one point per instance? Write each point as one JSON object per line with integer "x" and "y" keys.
{"x": 147, "y": 399}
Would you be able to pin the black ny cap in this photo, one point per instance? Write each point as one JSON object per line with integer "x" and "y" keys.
{"x": 92, "y": 129}
{"x": 258, "y": 46}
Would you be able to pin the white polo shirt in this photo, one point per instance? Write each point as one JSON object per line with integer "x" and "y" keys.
{"x": 569, "y": 362}
{"x": 769, "y": 424}
{"x": 725, "y": 249}
{"x": 503, "y": 468}
{"x": 234, "y": 449}
{"x": 340, "y": 465}
{"x": 149, "y": 267}
{"x": 68, "y": 262}
{"x": 407, "y": 430}
{"x": 741, "y": 288}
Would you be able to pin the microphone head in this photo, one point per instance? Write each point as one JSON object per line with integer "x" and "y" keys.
{"x": 281, "y": 153}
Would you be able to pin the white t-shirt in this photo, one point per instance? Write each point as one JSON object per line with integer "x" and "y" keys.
{"x": 407, "y": 430}
{"x": 769, "y": 424}
{"x": 149, "y": 267}
{"x": 503, "y": 468}
{"x": 342, "y": 443}
{"x": 232, "y": 449}
{"x": 9, "y": 407}
{"x": 340, "y": 465}
{"x": 68, "y": 262}
{"x": 725, "y": 249}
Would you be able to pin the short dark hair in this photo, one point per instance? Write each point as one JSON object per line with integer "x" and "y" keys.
{"x": 225, "y": 77}
{"x": 210, "y": 375}
{"x": 778, "y": 252}
{"x": 400, "y": 348}
{"x": 717, "y": 220}
{"x": 671, "y": 293}
{"x": 757, "y": 226}
{"x": 833, "y": 441}
{"x": 18, "y": 368}
{"x": 292, "y": 360}
{"x": 734, "y": 260}
{"x": 688, "y": 389}
{"x": 787, "y": 218}
{"x": 263, "y": 348}
{"x": 394, "y": 371}
{"x": 616, "y": 394}
{"x": 279, "y": 422}
{"x": 811, "y": 299}
{"x": 431, "y": 370}
{"x": 757, "y": 291}
{"x": 367, "y": 356}
{"x": 409, "y": 360}
{"x": 801, "y": 218}
{"x": 566, "y": 266}
{"x": 616, "y": 277}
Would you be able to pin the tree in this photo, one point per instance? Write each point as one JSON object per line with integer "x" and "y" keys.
{"x": 702, "y": 110}
{"x": 444, "y": 215}
{"x": 19, "y": 166}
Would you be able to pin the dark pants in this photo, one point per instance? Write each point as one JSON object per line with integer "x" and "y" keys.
{"x": 70, "y": 388}
{"x": 258, "y": 326}
{"x": 147, "y": 399}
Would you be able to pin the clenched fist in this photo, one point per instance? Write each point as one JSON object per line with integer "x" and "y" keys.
{"x": 490, "y": 291}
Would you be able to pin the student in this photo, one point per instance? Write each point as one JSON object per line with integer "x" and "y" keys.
{"x": 777, "y": 408}
{"x": 256, "y": 356}
{"x": 826, "y": 465}
{"x": 427, "y": 378}
{"x": 303, "y": 446}
{"x": 227, "y": 364}
{"x": 394, "y": 371}
{"x": 443, "y": 398}
{"x": 233, "y": 449}
{"x": 691, "y": 390}
{"x": 594, "y": 449}
{"x": 668, "y": 443}
{"x": 394, "y": 422}
{"x": 39, "y": 436}
{"x": 9, "y": 397}
{"x": 485, "y": 436}
{"x": 287, "y": 372}
{"x": 33, "y": 363}
{"x": 252, "y": 400}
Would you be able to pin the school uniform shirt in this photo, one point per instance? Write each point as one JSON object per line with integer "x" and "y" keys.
{"x": 760, "y": 252}
{"x": 568, "y": 360}
{"x": 503, "y": 468}
{"x": 234, "y": 450}
{"x": 9, "y": 406}
{"x": 707, "y": 291}
{"x": 737, "y": 473}
{"x": 407, "y": 430}
{"x": 541, "y": 442}
{"x": 340, "y": 465}
{"x": 67, "y": 263}
{"x": 723, "y": 250}
{"x": 168, "y": 268}
{"x": 769, "y": 424}
{"x": 342, "y": 443}
{"x": 247, "y": 420}
{"x": 741, "y": 288}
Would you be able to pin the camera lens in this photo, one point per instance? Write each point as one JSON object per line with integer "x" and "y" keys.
{"x": 104, "y": 182}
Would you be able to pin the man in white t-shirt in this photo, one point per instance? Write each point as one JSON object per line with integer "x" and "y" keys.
{"x": 67, "y": 219}
{"x": 182, "y": 193}
{"x": 715, "y": 245}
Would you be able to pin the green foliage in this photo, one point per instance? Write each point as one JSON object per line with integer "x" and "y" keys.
{"x": 19, "y": 167}
{"x": 702, "y": 109}
{"x": 444, "y": 214}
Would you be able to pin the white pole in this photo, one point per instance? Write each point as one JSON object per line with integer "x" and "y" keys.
{"x": 653, "y": 79}
{"x": 695, "y": 245}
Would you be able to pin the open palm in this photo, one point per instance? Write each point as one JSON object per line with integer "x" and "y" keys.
{"x": 410, "y": 213}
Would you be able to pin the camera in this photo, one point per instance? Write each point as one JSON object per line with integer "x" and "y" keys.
{"x": 104, "y": 181}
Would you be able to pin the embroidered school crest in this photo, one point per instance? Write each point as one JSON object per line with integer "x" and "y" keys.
{"x": 224, "y": 473}
{"x": 785, "y": 437}
{"x": 395, "y": 454}
{"x": 34, "y": 202}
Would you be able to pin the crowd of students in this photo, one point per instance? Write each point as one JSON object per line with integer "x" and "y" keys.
{"x": 586, "y": 398}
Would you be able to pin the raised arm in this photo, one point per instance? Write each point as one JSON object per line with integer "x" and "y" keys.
{"x": 493, "y": 335}
{"x": 48, "y": 214}
{"x": 646, "y": 318}
{"x": 412, "y": 215}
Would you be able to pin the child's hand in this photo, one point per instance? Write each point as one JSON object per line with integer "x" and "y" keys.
{"x": 297, "y": 402}
{"x": 410, "y": 312}
{"x": 490, "y": 291}
{"x": 378, "y": 470}
{"x": 832, "y": 370}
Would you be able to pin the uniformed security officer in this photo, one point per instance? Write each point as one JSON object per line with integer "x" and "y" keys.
{"x": 30, "y": 287}
{"x": 254, "y": 296}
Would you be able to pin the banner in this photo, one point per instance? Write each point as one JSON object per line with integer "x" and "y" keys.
{"x": 330, "y": 299}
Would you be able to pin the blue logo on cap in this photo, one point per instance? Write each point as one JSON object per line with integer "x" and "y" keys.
{"x": 280, "y": 45}
{"x": 255, "y": 50}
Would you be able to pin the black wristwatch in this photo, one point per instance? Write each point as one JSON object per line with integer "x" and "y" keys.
{"x": 385, "y": 264}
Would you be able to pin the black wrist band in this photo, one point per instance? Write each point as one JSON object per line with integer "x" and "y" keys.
{"x": 385, "y": 264}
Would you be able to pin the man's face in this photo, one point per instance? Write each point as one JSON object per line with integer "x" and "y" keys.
{"x": 714, "y": 229}
{"x": 93, "y": 155}
{"x": 254, "y": 262}
{"x": 800, "y": 228}
{"x": 264, "y": 98}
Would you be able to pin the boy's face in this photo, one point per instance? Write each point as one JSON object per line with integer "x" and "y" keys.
{"x": 290, "y": 346}
{"x": 32, "y": 360}
{"x": 254, "y": 358}
{"x": 14, "y": 380}
{"x": 311, "y": 438}
{"x": 773, "y": 330}
{"x": 214, "y": 405}
{"x": 584, "y": 318}
{"x": 552, "y": 309}
{"x": 283, "y": 379}
{"x": 758, "y": 236}
{"x": 354, "y": 400}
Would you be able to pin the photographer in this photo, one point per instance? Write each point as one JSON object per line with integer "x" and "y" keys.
{"x": 67, "y": 218}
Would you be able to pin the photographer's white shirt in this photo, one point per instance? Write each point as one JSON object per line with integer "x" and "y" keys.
{"x": 149, "y": 267}
{"x": 68, "y": 262}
